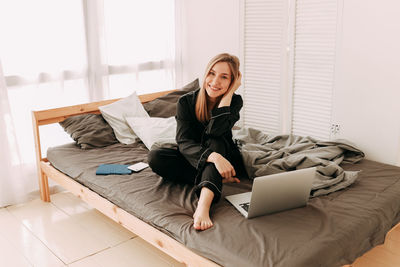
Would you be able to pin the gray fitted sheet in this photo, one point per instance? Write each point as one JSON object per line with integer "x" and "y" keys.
{"x": 331, "y": 230}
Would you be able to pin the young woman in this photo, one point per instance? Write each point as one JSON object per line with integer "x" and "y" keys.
{"x": 206, "y": 155}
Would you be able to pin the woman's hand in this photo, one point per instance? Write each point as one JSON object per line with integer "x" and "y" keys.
{"x": 236, "y": 84}
{"x": 227, "y": 97}
{"x": 224, "y": 167}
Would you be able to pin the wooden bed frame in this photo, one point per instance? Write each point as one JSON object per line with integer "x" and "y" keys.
{"x": 152, "y": 235}
{"x": 135, "y": 225}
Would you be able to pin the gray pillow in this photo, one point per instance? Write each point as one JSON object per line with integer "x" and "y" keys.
{"x": 89, "y": 130}
{"x": 165, "y": 106}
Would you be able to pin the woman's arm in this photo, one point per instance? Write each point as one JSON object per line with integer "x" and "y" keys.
{"x": 224, "y": 118}
{"x": 224, "y": 167}
{"x": 227, "y": 113}
{"x": 227, "y": 98}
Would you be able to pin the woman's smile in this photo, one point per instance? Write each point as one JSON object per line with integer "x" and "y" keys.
{"x": 218, "y": 80}
{"x": 214, "y": 88}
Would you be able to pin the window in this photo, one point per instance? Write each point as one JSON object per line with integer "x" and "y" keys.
{"x": 140, "y": 49}
{"x": 65, "y": 52}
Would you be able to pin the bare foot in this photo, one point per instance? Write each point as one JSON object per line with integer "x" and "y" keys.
{"x": 201, "y": 216}
{"x": 202, "y": 219}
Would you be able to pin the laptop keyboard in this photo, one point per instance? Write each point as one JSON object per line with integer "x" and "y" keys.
{"x": 245, "y": 206}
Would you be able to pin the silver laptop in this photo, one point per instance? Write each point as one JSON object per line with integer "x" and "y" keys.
{"x": 276, "y": 192}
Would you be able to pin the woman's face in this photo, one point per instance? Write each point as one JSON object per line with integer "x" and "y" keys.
{"x": 218, "y": 80}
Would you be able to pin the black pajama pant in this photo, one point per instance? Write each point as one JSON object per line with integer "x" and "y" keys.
{"x": 171, "y": 165}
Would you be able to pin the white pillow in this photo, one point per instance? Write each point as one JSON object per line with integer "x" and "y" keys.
{"x": 152, "y": 130}
{"x": 116, "y": 112}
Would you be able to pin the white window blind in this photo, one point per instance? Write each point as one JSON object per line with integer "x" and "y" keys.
{"x": 313, "y": 74}
{"x": 264, "y": 45}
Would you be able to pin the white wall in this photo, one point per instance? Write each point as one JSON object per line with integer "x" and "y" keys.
{"x": 209, "y": 27}
{"x": 367, "y": 85}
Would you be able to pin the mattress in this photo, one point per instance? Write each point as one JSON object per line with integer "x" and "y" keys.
{"x": 331, "y": 230}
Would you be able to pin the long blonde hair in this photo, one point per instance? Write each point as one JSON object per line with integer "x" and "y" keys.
{"x": 202, "y": 112}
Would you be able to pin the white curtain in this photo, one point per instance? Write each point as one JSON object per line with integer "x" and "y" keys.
{"x": 43, "y": 57}
{"x": 13, "y": 183}
{"x": 58, "y": 53}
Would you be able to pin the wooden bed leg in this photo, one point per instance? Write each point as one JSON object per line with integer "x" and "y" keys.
{"x": 43, "y": 180}
{"x": 44, "y": 186}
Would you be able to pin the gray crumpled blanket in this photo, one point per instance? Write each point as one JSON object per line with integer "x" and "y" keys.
{"x": 265, "y": 154}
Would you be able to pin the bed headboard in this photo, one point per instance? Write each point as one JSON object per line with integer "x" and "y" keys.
{"x": 49, "y": 116}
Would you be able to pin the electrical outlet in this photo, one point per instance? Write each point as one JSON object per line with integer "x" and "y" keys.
{"x": 335, "y": 129}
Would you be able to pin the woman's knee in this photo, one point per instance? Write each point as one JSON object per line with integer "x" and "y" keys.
{"x": 171, "y": 165}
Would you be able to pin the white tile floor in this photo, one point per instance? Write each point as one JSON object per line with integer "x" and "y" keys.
{"x": 67, "y": 232}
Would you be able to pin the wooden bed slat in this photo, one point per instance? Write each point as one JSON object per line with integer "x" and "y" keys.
{"x": 59, "y": 114}
{"x": 55, "y": 115}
